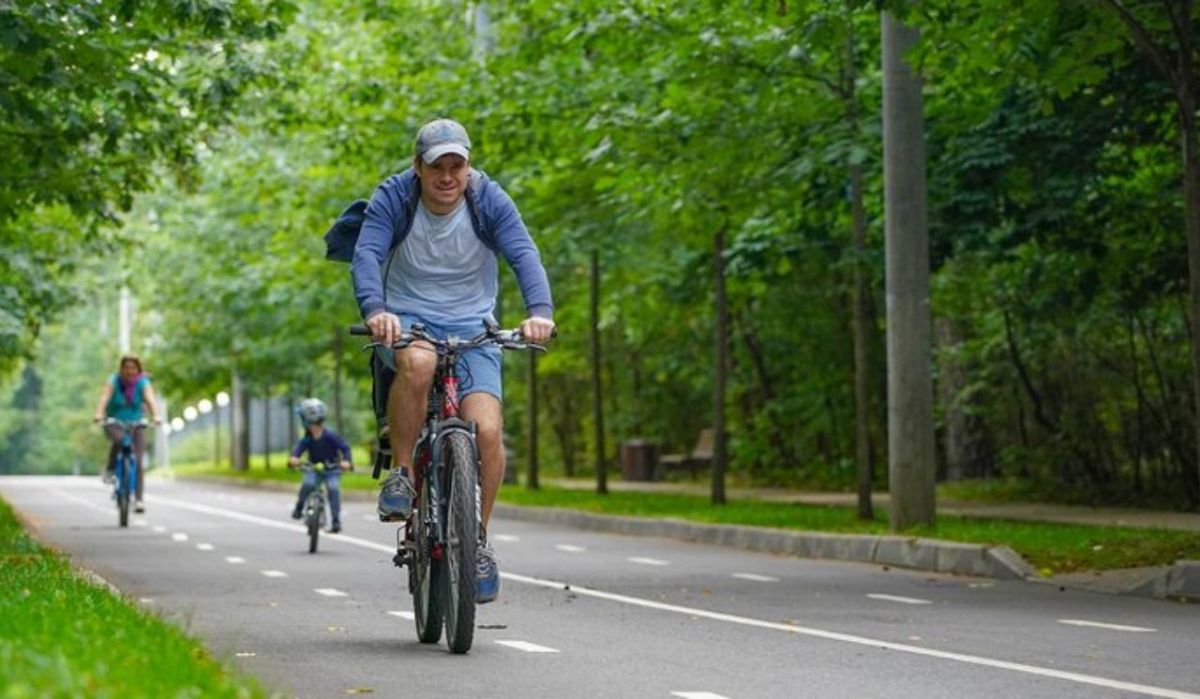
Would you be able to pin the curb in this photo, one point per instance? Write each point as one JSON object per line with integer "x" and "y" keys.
{"x": 1180, "y": 581}
{"x": 902, "y": 552}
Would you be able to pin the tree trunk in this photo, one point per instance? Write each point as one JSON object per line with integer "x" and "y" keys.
{"x": 911, "y": 462}
{"x": 239, "y": 441}
{"x": 1191, "y": 193}
{"x": 721, "y": 360}
{"x": 267, "y": 432}
{"x": 337, "y": 381}
{"x": 862, "y": 376}
{"x": 597, "y": 409}
{"x": 532, "y": 446}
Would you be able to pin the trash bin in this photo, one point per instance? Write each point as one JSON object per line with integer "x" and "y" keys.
{"x": 638, "y": 457}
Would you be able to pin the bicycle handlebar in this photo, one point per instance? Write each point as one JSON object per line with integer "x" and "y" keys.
{"x": 130, "y": 425}
{"x": 505, "y": 339}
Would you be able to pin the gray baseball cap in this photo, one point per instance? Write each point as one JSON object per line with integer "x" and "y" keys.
{"x": 442, "y": 136}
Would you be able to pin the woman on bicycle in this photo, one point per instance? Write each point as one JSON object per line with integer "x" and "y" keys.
{"x": 124, "y": 396}
{"x": 324, "y": 446}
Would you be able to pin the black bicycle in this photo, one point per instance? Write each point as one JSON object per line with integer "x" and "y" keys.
{"x": 439, "y": 540}
{"x": 314, "y": 504}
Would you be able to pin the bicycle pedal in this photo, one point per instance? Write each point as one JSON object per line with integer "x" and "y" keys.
{"x": 401, "y": 558}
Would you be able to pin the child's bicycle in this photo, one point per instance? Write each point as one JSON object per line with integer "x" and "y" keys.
{"x": 438, "y": 541}
{"x": 125, "y": 480}
{"x": 314, "y": 504}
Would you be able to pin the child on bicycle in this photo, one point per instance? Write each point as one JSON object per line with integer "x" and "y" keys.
{"x": 325, "y": 446}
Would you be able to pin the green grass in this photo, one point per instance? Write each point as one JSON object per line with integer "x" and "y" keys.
{"x": 61, "y": 636}
{"x": 1051, "y": 547}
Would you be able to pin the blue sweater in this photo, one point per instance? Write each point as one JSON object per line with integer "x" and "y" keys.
{"x": 329, "y": 449}
{"x": 387, "y": 220}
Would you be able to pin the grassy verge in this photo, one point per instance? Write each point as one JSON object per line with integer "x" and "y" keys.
{"x": 1051, "y": 547}
{"x": 61, "y": 636}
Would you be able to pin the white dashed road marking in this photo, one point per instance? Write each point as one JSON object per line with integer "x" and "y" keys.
{"x": 140, "y": 523}
{"x": 234, "y": 559}
{"x": 754, "y": 577}
{"x": 647, "y": 561}
{"x": 403, "y": 615}
{"x": 179, "y": 536}
{"x": 274, "y": 573}
{"x": 504, "y": 537}
{"x": 527, "y": 646}
{"x": 329, "y": 592}
{"x": 570, "y": 548}
{"x": 698, "y": 695}
{"x": 159, "y": 529}
{"x": 205, "y": 547}
{"x": 1110, "y": 627}
{"x": 901, "y": 600}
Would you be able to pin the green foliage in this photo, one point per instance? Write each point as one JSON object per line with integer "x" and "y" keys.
{"x": 637, "y": 130}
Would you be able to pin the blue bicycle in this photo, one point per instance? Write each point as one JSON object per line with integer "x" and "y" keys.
{"x": 125, "y": 479}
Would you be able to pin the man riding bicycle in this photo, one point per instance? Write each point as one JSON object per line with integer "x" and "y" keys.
{"x": 427, "y": 254}
{"x": 122, "y": 398}
{"x": 324, "y": 446}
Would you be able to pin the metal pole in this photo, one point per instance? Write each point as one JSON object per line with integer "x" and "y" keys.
{"x": 124, "y": 320}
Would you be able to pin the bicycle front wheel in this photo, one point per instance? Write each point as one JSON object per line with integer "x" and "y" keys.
{"x": 462, "y": 539}
{"x": 426, "y": 574}
{"x": 123, "y": 491}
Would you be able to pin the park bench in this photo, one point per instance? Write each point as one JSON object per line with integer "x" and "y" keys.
{"x": 699, "y": 457}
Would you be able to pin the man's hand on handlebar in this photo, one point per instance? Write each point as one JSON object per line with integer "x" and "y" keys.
{"x": 293, "y": 462}
{"x": 537, "y": 329}
{"x": 385, "y": 328}
{"x": 346, "y": 466}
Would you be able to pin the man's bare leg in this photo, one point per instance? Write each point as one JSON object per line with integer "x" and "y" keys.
{"x": 485, "y": 411}
{"x": 408, "y": 398}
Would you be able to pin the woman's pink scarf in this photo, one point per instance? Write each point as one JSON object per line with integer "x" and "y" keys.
{"x": 127, "y": 387}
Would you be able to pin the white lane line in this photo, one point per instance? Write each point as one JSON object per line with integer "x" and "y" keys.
{"x": 274, "y": 573}
{"x": 897, "y": 598}
{"x": 1111, "y": 627}
{"x": 570, "y": 548}
{"x": 648, "y": 561}
{"x": 755, "y": 577}
{"x": 528, "y": 647}
{"x": 329, "y": 592}
{"x": 559, "y": 585}
{"x": 140, "y": 523}
{"x": 179, "y": 536}
{"x": 205, "y": 547}
{"x": 146, "y": 600}
{"x": 234, "y": 559}
{"x": 159, "y": 529}
{"x": 698, "y": 695}
{"x": 504, "y": 537}
{"x": 404, "y": 615}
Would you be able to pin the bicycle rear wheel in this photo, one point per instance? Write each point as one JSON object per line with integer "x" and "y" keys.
{"x": 462, "y": 539}
{"x": 428, "y": 605}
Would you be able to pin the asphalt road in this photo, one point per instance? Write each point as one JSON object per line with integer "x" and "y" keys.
{"x": 583, "y": 614}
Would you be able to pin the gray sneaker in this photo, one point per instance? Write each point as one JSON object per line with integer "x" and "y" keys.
{"x": 396, "y": 497}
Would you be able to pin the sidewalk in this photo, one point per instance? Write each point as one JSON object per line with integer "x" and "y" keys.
{"x": 1037, "y": 512}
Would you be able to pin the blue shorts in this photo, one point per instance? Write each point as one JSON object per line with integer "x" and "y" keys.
{"x": 478, "y": 369}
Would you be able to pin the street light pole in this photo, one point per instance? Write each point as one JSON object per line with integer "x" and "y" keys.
{"x": 222, "y": 401}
